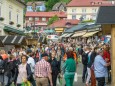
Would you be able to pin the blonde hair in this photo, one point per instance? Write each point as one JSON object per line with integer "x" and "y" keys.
{"x": 3, "y": 52}
{"x": 11, "y": 57}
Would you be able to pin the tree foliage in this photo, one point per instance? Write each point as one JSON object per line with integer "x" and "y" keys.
{"x": 50, "y": 4}
{"x": 53, "y": 19}
{"x": 66, "y": 1}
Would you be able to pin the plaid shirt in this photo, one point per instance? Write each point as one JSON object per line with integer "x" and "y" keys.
{"x": 42, "y": 68}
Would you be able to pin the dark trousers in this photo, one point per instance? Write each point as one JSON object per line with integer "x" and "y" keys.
{"x": 84, "y": 72}
{"x": 101, "y": 81}
{"x": 33, "y": 83}
{"x": 18, "y": 84}
{"x": 109, "y": 74}
{"x": 54, "y": 79}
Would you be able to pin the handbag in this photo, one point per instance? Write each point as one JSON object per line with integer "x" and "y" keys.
{"x": 26, "y": 83}
{"x": 75, "y": 77}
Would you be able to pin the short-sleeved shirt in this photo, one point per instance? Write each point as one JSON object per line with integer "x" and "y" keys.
{"x": 22, "y": 73}
{"x": 42, "y": 68}
{"x": 99, "y": 67}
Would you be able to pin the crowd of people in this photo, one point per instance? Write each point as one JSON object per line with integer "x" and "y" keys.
{"x": 41, "y": 66}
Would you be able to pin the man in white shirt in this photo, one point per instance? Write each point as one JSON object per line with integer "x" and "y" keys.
{"x": 31, "y": 61}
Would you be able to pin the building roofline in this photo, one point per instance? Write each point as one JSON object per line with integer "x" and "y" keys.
{"x": 22, "y": 2}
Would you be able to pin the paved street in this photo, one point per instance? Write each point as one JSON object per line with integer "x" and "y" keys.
{"x": 79, "y": 77}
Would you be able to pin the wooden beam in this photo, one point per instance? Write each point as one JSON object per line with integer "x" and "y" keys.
{"x": 113, "y": 53}
{"x": 106, "y": 29}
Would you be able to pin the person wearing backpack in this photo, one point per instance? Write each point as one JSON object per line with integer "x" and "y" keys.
{"x": 10, "y": 70}
{"x": 1, "y": 70}
{"x": 85, "y": 62}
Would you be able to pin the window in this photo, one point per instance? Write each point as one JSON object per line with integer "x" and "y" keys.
{"x": 43, "y": 19}
{"x": 30, "y": 18}
{"x": 10, "y": 15}
{"x": 17, "y": 18}
{"x": 84, "y": 17}
{"x": 94, "y": 10}
{"x": 37, "y": 19}
{"x": 99, "y": 3}
{"x": 73, "y": 10}
{"x": 93, "y": 17}
{"x": 73, "y": 16}
{"x": 83, "y": 10}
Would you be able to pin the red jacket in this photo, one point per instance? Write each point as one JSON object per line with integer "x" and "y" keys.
{"x": 106, "y": 54}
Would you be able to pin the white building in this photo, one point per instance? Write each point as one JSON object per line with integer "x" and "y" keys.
{"x": 11, "y": 17}
{"x": 85, "y": 9}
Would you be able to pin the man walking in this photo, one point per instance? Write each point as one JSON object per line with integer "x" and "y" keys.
{"x": 100, "y": 68}
{"x": 43, "y": 72}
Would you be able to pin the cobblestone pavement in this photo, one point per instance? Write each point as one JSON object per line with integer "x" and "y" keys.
{"x": 79, "y": 77}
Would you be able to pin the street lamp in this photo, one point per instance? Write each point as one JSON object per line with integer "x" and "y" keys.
{"x": 34, "y": 9}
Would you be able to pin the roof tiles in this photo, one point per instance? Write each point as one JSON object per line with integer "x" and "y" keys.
{"x": 90, "y": 3}
{"x": 46, "y": 14}
{"x": 62, "y": 23}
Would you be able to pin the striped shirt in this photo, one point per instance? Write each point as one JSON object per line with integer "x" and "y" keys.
{"x": 42, "y": 68}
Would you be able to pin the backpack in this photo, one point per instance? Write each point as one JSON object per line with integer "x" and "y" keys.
{"x": 85, "y": 58}
{"x": 1, "y": 66}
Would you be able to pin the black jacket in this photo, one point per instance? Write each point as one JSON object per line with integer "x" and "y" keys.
{"x": 85, "y": 58}
{"x": 92, "y": 58}
{"x": 55, "y": 66}
{"x": 29, "y": 73}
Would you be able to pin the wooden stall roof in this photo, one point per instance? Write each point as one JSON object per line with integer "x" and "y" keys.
{"x": 106, "y": 15}
{"x": 1, "y": 44}
{"x": 13, "y": 40}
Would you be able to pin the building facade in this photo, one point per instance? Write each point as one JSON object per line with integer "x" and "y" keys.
{"x": 11, "y": 16}
{"x": 61, "y": 6}
{"x": 41, "y": 18}
{"x": 85, "y": 10}
{"x": 39, "y": 6}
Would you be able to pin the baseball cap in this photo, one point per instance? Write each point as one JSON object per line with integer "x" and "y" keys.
{"x": 44, "y": 54}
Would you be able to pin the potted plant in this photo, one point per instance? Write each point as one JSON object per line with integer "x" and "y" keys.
{"x": 18, "y": 25}
{"x": 1, "y": 19}
{"x": 11, "y": 22}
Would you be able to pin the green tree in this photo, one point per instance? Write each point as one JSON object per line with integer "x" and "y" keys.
{"x": 66, "y": 1}
{"x": 50, "y": 4}
{"x": 53, "y": 19}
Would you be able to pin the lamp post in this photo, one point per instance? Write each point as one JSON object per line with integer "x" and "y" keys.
{"x": 34, "y": 9}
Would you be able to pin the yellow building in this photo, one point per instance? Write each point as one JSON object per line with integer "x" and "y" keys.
{"x": 11, "y": 17}
{"x": 85, "y": 9}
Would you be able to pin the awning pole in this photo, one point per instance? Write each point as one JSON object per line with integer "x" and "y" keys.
{"x": 113, "y": 54}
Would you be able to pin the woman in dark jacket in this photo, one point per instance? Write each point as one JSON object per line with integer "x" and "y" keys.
{"x": 55, "y": 68}
{"x": 24, "y": 72}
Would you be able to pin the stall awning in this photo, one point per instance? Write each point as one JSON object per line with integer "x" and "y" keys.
{"x": 69, "y": 34}
{"x": 13, "y": 30}
{"x": 79, "y": 33}
{"x": 88, "y": 34}
{"x": 63, "y": 35}
{"x": 13, "y": 40}
{"x": 1, "y": 44}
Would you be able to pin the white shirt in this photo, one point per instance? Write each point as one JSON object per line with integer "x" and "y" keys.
{"x": 31, "y": 62}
